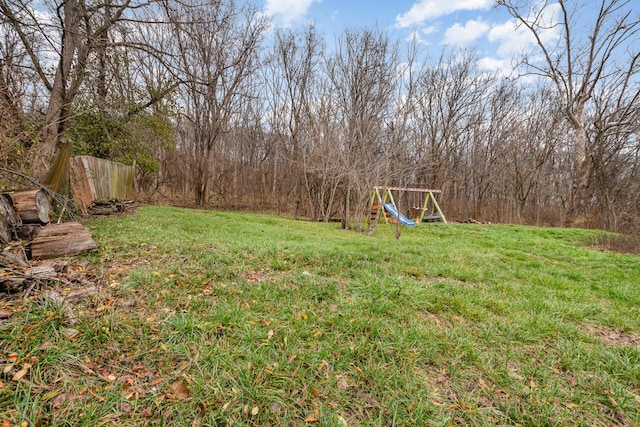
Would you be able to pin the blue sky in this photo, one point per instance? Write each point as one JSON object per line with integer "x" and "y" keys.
{"x": 455, "y": 23}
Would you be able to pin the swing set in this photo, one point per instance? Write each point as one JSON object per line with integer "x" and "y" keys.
{"x": 424, "y": 207}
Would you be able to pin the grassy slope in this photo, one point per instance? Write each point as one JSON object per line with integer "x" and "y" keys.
{"x": 245, "y": 319}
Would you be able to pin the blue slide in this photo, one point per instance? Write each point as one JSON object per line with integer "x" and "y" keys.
{"x": 403, "y": 219}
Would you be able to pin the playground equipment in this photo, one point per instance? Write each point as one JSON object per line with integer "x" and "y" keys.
{"x": 382, "y": 201}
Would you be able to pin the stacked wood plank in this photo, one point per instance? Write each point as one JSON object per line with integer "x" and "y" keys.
{"x": 26, "y": 216}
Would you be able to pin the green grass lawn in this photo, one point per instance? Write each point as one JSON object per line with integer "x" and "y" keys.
{"x": 240, "y": 319}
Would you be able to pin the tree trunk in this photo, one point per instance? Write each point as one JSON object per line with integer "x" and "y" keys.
{"x": 33, "y": 206}
{"x": 66, "y": 239}
{"x": 8, "y": 211}
{"x": 5, "y": 231}
{"x": 577, "y": 201}
{"x": 68, "y": 77}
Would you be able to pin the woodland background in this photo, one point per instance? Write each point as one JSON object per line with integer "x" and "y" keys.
{"x": 217, "y": 108}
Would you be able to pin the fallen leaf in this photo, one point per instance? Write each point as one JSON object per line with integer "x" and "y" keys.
{"x": 244, "y": 305}
{"x": 22, "y": 372}
{"x": 314, "y": 391}
{"x": 62, "y": 398}
{"x": 179, "y": 390}
{"x": 13, "y": 357}
{"x": 156, "y": 380}
{"x": 333, "y": 308}
{"x": 324, "y": 365}
{"x": 311, "y": 419}
{"x": 275, "y": 407}
{"x": 270, "y": 334}
{"x": 255, "y": 411}
{"x": 342, "y": 383}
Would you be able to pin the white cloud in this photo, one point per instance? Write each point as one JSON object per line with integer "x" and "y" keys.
{"x": 288, "y": 10}
{"x": 417, "y": 34}
{"x": 514, "y": 39}
{"x": 503, "y": 65}
{"x": 511, "y": 39}
{"x": 464, "y": 34}
{"x": 424, "y": 10}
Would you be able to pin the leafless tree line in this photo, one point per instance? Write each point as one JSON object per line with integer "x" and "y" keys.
{"x": 224, "y": 111}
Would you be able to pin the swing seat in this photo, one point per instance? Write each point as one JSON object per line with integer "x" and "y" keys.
{"x": 431, "y": 218}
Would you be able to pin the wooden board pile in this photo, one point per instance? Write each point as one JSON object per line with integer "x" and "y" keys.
{"x": 26, "y": 231}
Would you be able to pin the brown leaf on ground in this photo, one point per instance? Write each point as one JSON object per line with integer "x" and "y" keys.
{"x": 367, "y": 398}
{"x": 63, "y": 398}
{"x": 179, "y": 390}
{"x": 311, "y": 419}
{"x": 22, "y": 372}
{"x": 342, "y": 382}
{"x": 275, "y": 407}
{"x": 71, "y": 333}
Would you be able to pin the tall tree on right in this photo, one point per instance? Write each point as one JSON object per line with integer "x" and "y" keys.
{"x": 591, "y": 53}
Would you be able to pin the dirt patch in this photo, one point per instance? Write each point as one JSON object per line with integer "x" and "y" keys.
{"x": 613, "y": 336}
{"x": 257, "y": 276}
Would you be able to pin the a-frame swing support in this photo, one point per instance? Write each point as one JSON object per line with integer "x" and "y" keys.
{"x": 383, "y": 194}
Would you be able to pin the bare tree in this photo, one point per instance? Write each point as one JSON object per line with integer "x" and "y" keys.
{"x": 64, "y": 36}
{"x": 292, "y": 75}
{"x": 15, "y": 78}
{"x": 217, "y": 50}
{"x": 364, "y": 76}
{"x": 601, "y": 62}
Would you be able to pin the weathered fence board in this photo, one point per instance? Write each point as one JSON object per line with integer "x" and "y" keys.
{"x": 94, "y": 179}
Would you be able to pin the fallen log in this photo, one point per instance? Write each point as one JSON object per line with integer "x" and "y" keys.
{"x": 66, "y": 239}
{"x": 28, "y": 231}
{"x": 5, "y": 231}
{"x": 9, "y": 212}
{"x": 8, "y": 258}
{"x": 33, "y": 206}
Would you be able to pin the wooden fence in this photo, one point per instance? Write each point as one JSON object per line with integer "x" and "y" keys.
{"x": 94, "y": 179}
